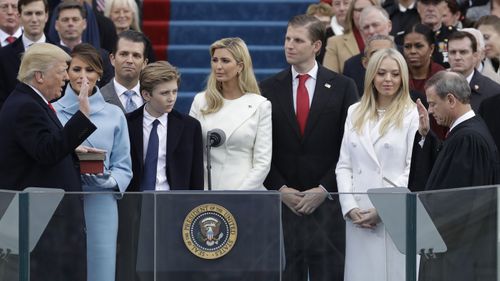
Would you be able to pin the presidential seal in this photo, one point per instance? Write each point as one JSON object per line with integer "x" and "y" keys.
{"x": 209, "y": 231}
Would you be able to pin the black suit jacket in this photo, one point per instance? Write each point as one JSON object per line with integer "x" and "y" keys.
{"x": 38, "y": 151}
{"x": 184, "y": 150}
{"x": 353, "y": 68}
{"x": 305, "y": 162}
{"x": 10, "y": 60}
{"x": 482, "y": 88}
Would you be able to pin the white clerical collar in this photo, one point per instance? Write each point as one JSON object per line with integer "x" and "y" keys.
{"x": 468, "y": 115}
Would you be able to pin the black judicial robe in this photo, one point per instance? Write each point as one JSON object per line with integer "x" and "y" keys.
{"x": 465, "y": 218}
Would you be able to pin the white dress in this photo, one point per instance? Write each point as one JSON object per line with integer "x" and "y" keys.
{"x": 365, "y": 159}
{"x": 244, "y": 159}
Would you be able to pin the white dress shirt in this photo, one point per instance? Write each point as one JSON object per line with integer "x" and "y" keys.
{"x": 120, "y": 90}
{"x": 310, "y": 84}
{"x": 161, "y": 168}
{"x": 4, "y": 35}
{"x": 27, "y": 42}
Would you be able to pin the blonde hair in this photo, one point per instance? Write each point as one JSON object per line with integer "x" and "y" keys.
{"x": 349, "y": 27}
{"x": 156, "y": 73}
{"x": 135, "y": 25}
{"x": 246, "y": 79}
{"x": 40, "y": 57}
{"x": 367, "y": 109}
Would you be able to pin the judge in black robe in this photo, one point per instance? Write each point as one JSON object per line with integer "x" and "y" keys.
{"x": 465, "y": 218}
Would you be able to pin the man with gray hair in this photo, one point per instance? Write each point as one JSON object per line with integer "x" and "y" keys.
{"x": 467, "y": 157}
{"x": 38, "y": 151}
{"x": 355, "y": 67}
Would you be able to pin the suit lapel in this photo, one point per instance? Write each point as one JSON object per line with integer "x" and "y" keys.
{"x": 110, "y": 95}
{"x": 322, "y": 93}
{"x": 368, "y": 140}
{"x": 137, "y": 136}
{"x": 285, "y": 99}
{"x": 244, "y": 108}
{"x": 174, "y": 132}
{"x": 52, "y": 115}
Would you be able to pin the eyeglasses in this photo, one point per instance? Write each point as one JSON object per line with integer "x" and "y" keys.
{"x": 5, "y": 7}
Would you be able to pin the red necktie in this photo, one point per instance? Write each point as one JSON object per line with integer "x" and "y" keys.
{"x": 51, "y": 107}
{"x": 11, "y": 39}
{"x": 302, "y": 102}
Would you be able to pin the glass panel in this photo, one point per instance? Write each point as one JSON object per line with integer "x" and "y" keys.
{"x": 467, "y": 223}
{"x": 218, "y": 236}
{"x": 9, "y": 235}
{"x": 376, "y": 235}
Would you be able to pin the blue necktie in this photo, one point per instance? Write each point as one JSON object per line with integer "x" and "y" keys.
{"x": 148, "y": 181}
{"x": 130, "y": 105}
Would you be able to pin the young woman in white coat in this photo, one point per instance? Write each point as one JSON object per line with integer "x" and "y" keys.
{"x": 233, "y": 104}
{"x": 376, "y": 146}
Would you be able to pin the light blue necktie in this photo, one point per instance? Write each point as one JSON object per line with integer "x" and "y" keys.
{"x": 148, "y": 181}
{"x": 130, "y": 105}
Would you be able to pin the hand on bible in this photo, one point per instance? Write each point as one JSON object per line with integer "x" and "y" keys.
{"x": 105, "y": 180}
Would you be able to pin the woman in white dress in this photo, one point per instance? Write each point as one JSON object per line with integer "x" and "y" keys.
{"x": 233, "y": 104}
{"x": 376, "y": 150}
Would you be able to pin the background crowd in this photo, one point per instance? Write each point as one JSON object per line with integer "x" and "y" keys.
{"x": 377, "y": 94}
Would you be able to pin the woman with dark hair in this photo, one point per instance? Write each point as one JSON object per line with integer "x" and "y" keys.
{"x": 100, "y": 208}
{"x": 418, "y": 48}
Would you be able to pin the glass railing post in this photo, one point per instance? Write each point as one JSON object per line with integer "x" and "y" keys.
{"x": 411, "y": 237}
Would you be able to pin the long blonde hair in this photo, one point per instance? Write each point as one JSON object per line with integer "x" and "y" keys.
{"x": 367, "y": 109}
{"x": 247, "y": 82}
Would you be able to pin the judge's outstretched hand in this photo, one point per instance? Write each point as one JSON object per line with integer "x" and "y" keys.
{"x": 83, "y": 97}
{"x": 423, "y": 120}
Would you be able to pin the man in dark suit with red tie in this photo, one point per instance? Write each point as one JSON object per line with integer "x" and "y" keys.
{"x": 172, "y": 158}
{"x": 309, "y": 109}
{"x": 37, "y": 151}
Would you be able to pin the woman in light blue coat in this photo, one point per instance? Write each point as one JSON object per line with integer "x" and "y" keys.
{"x": 101, "y": 215}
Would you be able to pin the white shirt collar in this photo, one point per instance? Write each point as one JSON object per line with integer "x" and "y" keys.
{"x": 38, "y": 93}
{"x": 468, "y": 115}
{"x": 470, "y": 76}
{"x": 4, "y": 35}
{"x": 336, "y": 27}
{"x": 120, "y": 89}
{"x": 403, "y": 9}
{"x": 63, "y": 44}
{"x": 149, "y": 119}
{"x": 313, "y": 73}
{"x": 27, "y": 42}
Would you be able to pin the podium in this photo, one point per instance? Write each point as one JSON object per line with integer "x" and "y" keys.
{"x": 210, "y": 236}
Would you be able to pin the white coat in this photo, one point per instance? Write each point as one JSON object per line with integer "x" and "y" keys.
{"x": 363, "y": 163}
{"x": 243, "y": 161}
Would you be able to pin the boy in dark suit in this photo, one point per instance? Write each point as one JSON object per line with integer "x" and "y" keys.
{"x": 166, "y": 151}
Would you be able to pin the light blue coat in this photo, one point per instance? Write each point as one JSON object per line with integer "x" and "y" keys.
{"x": 101, "y": 214}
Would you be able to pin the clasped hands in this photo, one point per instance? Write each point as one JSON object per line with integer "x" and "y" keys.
{"x": 364, "y": 218}
{"x": 303, "y": 202}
